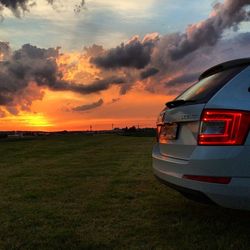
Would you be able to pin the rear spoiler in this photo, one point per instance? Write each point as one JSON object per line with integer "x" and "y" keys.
{"x": 224, "y": 66}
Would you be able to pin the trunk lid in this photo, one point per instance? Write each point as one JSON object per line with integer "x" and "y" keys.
{"x": 187, "y": 119}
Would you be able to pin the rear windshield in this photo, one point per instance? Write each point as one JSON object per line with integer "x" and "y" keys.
{"x": 203, "y": 90}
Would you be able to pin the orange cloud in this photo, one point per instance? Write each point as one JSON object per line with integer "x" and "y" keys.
{"x": 76, "y": 67}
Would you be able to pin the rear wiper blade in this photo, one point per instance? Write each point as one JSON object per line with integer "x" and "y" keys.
{"x": 176, "y": 103}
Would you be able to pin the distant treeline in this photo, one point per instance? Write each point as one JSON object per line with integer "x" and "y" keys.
{"x": 127, "y": 131}
{"x": 133, "y": 131}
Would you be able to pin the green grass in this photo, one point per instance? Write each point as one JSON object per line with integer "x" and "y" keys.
{"x": 80, "y": 192}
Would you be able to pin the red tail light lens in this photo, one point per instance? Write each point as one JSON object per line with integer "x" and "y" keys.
{"x": 223, "y": 127}
{"x": 160, "y": 123}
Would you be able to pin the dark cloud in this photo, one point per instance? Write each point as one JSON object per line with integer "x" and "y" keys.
{"x": 125, "y": 88}
{"x": 115, "y": 100}
{"x": 94, "y": 87}
{"x": 149, "y": 72}
{"x": 79, "y": 7}
{"x": 90, "y": 106}
{"x": 4, "y": 99}
{"x": 28, "y": 64}
{"x": 18, "y": 7}
{"x": 134, "y": 54}
{"x": 31, "y": 64}
{"x": 208, "y": 32}
{"x": 33, "y": 52}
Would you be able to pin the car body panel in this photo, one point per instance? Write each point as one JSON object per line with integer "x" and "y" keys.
{"x": 233, "y": 95}
{"x": 183, "y": 156}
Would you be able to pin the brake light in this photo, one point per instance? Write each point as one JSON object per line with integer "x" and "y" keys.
{"x": 160, "y": 123}
{"x": 223, "y": 127}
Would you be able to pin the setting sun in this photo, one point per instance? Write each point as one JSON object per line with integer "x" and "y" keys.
{"x": 26, "y": 121}
{"x": 35, "y": 120}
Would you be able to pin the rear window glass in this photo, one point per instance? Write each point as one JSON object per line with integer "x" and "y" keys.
{"x": 203, "y": 90}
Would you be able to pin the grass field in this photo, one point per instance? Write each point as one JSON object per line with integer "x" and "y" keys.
{"x": 80, "y": 192}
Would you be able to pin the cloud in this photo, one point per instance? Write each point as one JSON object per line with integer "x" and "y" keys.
{"x": 16, "y": 6}
{"x": 228, "y": 14}
{"x": 115, "y": 100}
{"x": 24, "y": 66}
{"x": 79, "y": 7}
{"x": 149, "y": 72}
{"x": 95, "y": 86}
{"x": 169, "y": 49}
{"x": 33, "y": 65}
{"x": 19, "y": 7}
{"x": 177, "y": 58}
{"x": 133, "y": 54}
{"x": 90, "y": 106}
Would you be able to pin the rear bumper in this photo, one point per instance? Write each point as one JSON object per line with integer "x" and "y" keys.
{"x": 169, "y": 170}
{"x": 188, "y": 193}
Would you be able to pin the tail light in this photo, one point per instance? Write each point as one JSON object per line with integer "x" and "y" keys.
{"x": 223, "y": 127}
{"x": 160, "y": 123}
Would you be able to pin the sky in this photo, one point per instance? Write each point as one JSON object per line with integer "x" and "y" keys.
{"x": 69, "y": 65}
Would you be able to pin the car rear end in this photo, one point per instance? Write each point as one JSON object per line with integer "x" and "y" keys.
{"x": 203, "y": 142}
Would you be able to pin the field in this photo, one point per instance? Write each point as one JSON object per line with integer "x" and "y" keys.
{"x": 98, "y": 192}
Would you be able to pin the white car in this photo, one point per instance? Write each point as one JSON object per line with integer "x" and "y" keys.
{"x": 203, "y": 139}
